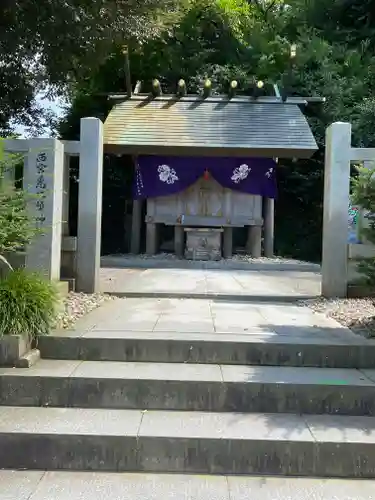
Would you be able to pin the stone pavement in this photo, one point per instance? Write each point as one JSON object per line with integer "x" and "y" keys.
{"x": 182, "y": 316}
{"x": 160, "y": 383}
{"x": 198, "y": 283}
{"x": 26, "y": 485}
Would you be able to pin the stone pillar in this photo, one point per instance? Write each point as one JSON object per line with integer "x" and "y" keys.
{"x": 269, "y": 226}
{"x": 228, "y": 242}
{"x": 151, "y": 238}
{"x": 179, "y": 241}
{"x": 66, "y": 192}
{"x": 335, "y": 216}
{"x": 90, "y": 205}
{"x": 43, "y": 176}
{"x": 135, "y": 246}
{"x": 254, "y": 242}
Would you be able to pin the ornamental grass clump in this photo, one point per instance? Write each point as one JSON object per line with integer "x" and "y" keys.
{"x": 28, "y": 304}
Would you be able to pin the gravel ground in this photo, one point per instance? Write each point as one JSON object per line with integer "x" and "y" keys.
{"x": 356, "y": 314}
{"x": 234, "y": 258}
{"x": 77, "y": 305}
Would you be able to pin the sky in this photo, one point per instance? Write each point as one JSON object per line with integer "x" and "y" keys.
{"x": 55, "y": 105}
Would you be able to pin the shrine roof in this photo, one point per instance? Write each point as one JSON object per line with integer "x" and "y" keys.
{"x": 212, "y": 126}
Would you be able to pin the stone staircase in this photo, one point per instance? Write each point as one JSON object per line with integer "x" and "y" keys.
{"x": 198, "y": 403}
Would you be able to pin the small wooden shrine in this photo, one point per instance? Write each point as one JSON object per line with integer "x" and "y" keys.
{"x": 207, "y": 164}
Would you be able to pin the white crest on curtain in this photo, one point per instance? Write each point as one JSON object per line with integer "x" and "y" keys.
{"x": 167, "y": 174}
{"x": 269, "y": 172}
{"x": 240, "y": 173}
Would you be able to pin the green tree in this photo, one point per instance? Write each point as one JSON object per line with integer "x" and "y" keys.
{"x": 17, "y": 228}
{"x": 250, "y": 40}
{"x": 54, "y": 43}
{"x": 363, "y": 194}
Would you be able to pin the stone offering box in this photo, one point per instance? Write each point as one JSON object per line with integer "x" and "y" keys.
{"x": 203, "y": 243}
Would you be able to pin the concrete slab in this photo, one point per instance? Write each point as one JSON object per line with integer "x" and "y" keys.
{"x": 117, "y": 486}
{"x": 182, "y": 282}
{"x": 45, "y": 367}
{"x": 187, "y": 387}
{"x": 249, "y": 337}
{"x": 194, "y": 316}
{"x": 336, "y": 429}
{"x": 63, "y": 421}
{"x": 184, "y": 324}
{"x": 272, "y": 488}
{"x": 295, "y": 376}
{"x": 215, "y": 443}
{"x": 149, "y": 371}
{"x": 250, "y": 347}
{"x": 91, "y": 486}
{"x": 343, "y": 445}
{"x": 139, "y": 324}
{"x": 19, "y": 485}
{"x": 369, "y": 374}
{"x": 200, "y": 425}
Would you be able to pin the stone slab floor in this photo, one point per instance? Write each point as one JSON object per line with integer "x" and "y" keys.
{"x": 188, "y": 316}
{"x": 26, "y": 485}
{"x": 231, "y": 283}
{"x": 264, "y": 319}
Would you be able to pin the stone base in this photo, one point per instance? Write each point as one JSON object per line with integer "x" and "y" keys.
{"x": 28, "y": 359}
{"x": 13, "y": 348}
{"x": 203, "y": 244}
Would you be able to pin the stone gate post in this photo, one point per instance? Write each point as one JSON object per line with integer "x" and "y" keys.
{"x": 43, "y": 177}
{"x": 89, "y": 205}
{"x": 335, "y": 217}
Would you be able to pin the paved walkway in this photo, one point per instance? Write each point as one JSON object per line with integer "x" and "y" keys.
{"x": 90, "y": 486}
{"x": 261, "y": 385}
{"x": 259, "y": 320}
{"x": 232, "y": 284}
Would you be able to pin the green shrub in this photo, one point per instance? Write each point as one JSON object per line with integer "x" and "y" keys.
{"x": 28, "y": 304}
{"x": 363, "y": 194}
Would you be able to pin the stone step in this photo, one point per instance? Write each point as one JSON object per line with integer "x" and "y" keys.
{"x": 173, "y": 386}
{"x": 225, "y": 348}
{"x": 63, "y": 485}
{"x": 189, "y": 442}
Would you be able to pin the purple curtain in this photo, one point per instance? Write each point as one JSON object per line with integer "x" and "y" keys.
{"x": 163, "y": 176}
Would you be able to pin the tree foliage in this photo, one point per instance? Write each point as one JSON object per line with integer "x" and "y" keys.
{"x": 244, "y": 40}
{"x": 17, "y": 228}
{"x": 363, "y": 194}
{"x": 57, "y": 43}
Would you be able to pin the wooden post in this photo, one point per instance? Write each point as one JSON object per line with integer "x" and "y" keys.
{"x": 151, "y": 238}
{"x": 135, "y": 245}
{"x": 179, "y": 241}
{"x": 207, "y": 87}
{"x": 228, "y": 242}
{"x": 254, "y": 241}
{"x": 269, "y": 226}
{"x": 156, "y": 88}
{"x": 181, "y": 88}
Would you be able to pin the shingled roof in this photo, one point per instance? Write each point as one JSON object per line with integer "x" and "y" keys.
{"x": 215, "y": 126}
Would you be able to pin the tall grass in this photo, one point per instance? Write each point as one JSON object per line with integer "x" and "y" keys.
{"x": 28, "y": 304}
